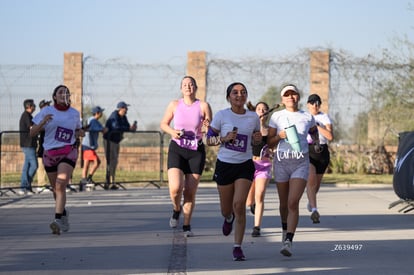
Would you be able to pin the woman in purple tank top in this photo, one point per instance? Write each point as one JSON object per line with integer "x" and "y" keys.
{"x": 186, "y": 152}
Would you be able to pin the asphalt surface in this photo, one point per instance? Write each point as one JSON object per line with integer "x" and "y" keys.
{"x": 127, "y": 232}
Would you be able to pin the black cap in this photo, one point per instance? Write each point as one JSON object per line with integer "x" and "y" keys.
{"x": 314, "y": 98}
{"x": 122, "y": 104}
{"x": 28, "y": 103}
{"x": 97, "y": 109}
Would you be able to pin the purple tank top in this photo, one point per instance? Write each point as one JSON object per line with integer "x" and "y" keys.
{"x": 189, "y": 118}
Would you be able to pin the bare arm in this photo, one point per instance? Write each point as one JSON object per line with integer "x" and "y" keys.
{"x": 36, "y": 128}
{"x": 314, "y": 133}
{"x": 327, "y": 132}
{"x": 167, "y": 118}
{"x": 273, "y": 137}
{"x": 214, "y": 138}
{"x": 207, "y": 114}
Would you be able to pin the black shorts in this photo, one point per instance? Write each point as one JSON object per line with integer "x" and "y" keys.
{"x": 319, "y": 160}
{"x": 187, "y": 160}
{"x": 227, "y": 173}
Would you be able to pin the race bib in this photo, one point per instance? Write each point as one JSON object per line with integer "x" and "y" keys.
{"x": 63, "y": 134}
{"x": 239, "y": 144}
{"x": 188, "y": 142}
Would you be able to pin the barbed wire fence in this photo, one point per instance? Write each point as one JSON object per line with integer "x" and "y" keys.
{"x": 354, "y": 84}
{"x": 257, "y": 74}
{"x": 146, "y": 87}
{"x": 18, "y": 82}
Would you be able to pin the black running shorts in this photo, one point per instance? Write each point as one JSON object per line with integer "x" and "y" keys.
{"x": 187, "y": 160}
{"x": 319, "y": 160}
{"x": 227, "y": 173}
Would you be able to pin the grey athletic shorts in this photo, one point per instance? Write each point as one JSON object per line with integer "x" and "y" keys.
{"x": 288, "y": 168}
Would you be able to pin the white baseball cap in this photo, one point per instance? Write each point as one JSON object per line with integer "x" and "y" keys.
{"x": 289, "y": 88}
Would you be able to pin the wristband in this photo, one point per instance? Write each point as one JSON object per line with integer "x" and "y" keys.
{"x": 211, "y": 133}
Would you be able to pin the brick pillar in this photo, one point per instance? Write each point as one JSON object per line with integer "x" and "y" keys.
{"x": 320, "y": 77}
{"x": 197, "y": 68}
{"x": 72, "y": 78}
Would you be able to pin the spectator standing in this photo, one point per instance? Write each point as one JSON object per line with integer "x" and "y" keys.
{"x": 28, "y": 144}
{"x": 319, "y": 161}
{"x": 41, "y": 172}
{"x": 116, "y": 125}
{"x": 186, "y": 152}
{"x": 234, "y": 129}
{"x": 291, "y": 160}
{"x": 91, "y": 160}
{"x": 62, "y": 126}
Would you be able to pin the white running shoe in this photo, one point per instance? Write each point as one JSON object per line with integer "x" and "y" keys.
{"x": 284, "y": 232}
{"x": 286, "y": 248}
{"x": 174, "y": 220}
{"x": 65, "y": 222}
{"x": 188, "y": 233}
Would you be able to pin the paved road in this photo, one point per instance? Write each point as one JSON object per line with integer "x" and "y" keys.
{"x": 126, "y": 232}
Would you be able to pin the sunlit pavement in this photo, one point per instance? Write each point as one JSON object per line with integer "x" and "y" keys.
{"x": 127, "y": 232}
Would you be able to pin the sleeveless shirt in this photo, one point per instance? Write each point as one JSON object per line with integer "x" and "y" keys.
{"x": 190, "y": 119}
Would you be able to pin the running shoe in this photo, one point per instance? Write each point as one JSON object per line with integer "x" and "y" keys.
{"x": 90, "y": 187}
{"x": 90, "y": 180}
{"x": 82, "y": 184}
{"x": 187, "y": 231}
{"x": 174, "y": 219}
{"x": 256, "y": 231}
{"x": 228, "y": 226}
{"x": 114, "y": 187}
{"x": 253, "y": 208}
{"x": 315, "y": 216}
{"x": 65, "y": 222}
{"x": 70, "y": 189}
{"x": 238, "y": 254}
{"x": 286, "y": 248}
{"x": 56, "y": 226}
{"x": 284, "y": 233}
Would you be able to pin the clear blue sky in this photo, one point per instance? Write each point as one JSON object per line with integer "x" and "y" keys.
{"x": 147, "y": 31}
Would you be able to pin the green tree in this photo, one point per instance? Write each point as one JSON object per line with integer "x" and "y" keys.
{"x": 271, "y": 96}
{"x": 391, "y": 98}
{"x": 359, "y": 133}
